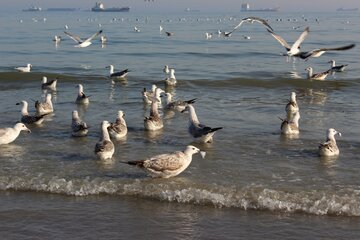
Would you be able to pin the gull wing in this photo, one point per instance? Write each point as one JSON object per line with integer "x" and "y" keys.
{"x": 318, "y": 52}
{"x": 165, "y": 162}
{"x": 236, "y": 27}
{"x": 259, "y": 20}
{"x": 74, "y": 37}
{"x": 93, "y": 36}
{"x": 280, "y": 40}
{"x": 301, "y": 38}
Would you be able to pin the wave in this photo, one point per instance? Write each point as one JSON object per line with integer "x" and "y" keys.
{"x": 253, "y": 197}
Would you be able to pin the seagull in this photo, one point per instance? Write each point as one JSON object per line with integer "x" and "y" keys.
{"x": 136, "y": 29}
{"x": 338, "y": 68}
{"x": 118, "y": 129}
{"x": 169, "y": 34}
{"x": 57, "y": 39}
{"x": 29, "y": 119}
{"x": 103, "y": 39}
{"x": 176, "y": 105}
{"x": 8, "y": 135}
{"x": 167, "y": 165}
{"x": 81, "y": 98}
{"x": 148, "y": 95}
{"x": 208, "y": 35}
{"x": 121, "y": 74}
{"x": 44, "y": 107}
{"x": 83, "y": 43}
{"x": 155, "y": 94}
{"x": 329, "y": 147}
{"x": 320, "y": 51}
{"x": 294, "y": 50}
{"x": 154, "y": 121}
{"x": 200, "y": 132}
{"x": 317, "y": 76}
{"x": 24, "y": 69}
{"x": 51, "y": 85}
{"x": 171, "y": 80}
{"x": 292, "y": 106}
{"x": 250, "y": 20}
{"x": 79, "y": 128}
{"x": 290, "y": 125}
{"x": 161, "y": 28}
{"x": 105, "y": 149}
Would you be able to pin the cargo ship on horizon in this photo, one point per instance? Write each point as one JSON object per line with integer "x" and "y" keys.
{"x": 99, "y": 7}
{"x": 245, "y": 7}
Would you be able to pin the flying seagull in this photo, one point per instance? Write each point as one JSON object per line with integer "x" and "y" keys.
{"x": 295, "y": 48}
{"x": 83, "y": 43}
{"x": 249, "y": 20}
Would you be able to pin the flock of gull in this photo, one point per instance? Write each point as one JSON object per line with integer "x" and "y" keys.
{"x": 169, "y": 165}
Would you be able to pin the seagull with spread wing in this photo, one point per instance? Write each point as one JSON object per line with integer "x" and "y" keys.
{"x": 83, "y": 43}
{"x": 249, "y": 20}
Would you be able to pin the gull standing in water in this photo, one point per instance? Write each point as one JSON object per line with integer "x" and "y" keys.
{"x": 81, "y": 98}
{"x": 200, "y": 132}
{"x": 8, "y": 135}
{"x": 154, "y": 121}
{"x": 57, "y": 39}
{"x": 290, "y": 125}
{"x": 24, "y": 69}
{"x": 83, "y": 43}
{"x": 337, "y": 68}
{"x": 49, "y": 85}
{"x": 317, "y": 76}
{"x": 121, "y": 74}
{"x": 148, "y": 95}
{"x": 171, "y": 80}
{"x": 79, "y": 128}
{"x": 176, "y": 105}
{"x": 292, "y": 106}
{"x": 329, "y": 147}
{"x": 28, "y": 119}
{"x": 167, "y": 165}
{"x": 104, "y": 149}
{"x": 44, "y": 107}
{"x": 118, "y": 129}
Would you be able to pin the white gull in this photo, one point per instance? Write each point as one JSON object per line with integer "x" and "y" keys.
{"x": 121, "y": 74}
{"x": 329, "y": 147}
{"x": 104, "y": 149}
{"x": 79, "y": 128}
{"x": 82, "y": 43}
{"x": 29, "y": 119}
{"x": 24, "y": 69}
{"x": 81, "y": 97}
{"x": 45, "y": 107}
{"x": 49, "y": 85}
{"x": 8, "y": 135}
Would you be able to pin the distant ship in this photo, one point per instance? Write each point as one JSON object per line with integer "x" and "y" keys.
{"x": 347, "y": 9}
{"x": 33, "y": 9}
{"x": 99, "y": 7}
{"x": 246, "y": 8}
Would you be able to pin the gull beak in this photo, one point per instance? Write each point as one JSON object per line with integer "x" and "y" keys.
{"x": 18, "y": 103}
{"x": 28, "y": 130}
{"x": 339, "y": 133}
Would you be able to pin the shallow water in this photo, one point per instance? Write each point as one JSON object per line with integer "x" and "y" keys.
{"x": 241, "y": 85}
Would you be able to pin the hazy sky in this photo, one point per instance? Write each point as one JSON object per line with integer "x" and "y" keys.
{"x": 180, "y": 5}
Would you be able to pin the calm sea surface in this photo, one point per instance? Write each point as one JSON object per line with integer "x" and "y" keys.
{"x": 253, "y": 184}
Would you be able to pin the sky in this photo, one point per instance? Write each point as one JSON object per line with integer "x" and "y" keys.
{"x": 180, "y": 5}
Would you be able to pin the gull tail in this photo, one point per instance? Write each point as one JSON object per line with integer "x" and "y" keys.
{"x": 215, "y": 129}
{"x": 191, "y": 101}
{"x": 138, "y": 163}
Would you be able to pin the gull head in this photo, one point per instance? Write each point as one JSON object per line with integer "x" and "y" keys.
{"x": 121, "y": 114}
{"x": 331, "y": 132}
{"x": 75, "y": 114}
{"x": 190, "y": 149}
{"x": 21, "y": 127}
